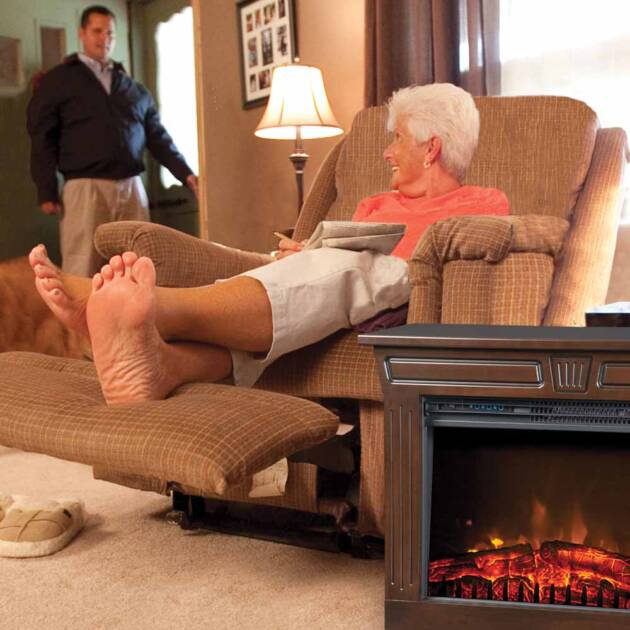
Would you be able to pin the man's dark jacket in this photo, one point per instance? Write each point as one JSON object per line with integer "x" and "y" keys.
{"x": 76, "y": 127}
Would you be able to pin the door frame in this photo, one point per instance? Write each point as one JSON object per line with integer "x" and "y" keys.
{"x": 201, "y": 135}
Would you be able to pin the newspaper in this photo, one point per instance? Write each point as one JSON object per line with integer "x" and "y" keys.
{"x": 356, "y": 235}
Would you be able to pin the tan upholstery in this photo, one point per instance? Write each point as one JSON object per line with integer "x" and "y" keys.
{"x": 300, "y": 492}
{"x": 582, "y": 277}
{"x": 205, "y": 436}
{"x": 544, "y": 264}
{"x": 537, "y": 149}
{"x": 336, "y": 367}
{"x": 514, "y": 155}
{"x": 485, "y": 270}
{"x": 180, "y": 260}
{"x": 362, "y": 153}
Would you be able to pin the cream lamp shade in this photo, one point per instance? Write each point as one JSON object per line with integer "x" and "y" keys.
{"x": 297, "y": 109}
{"x": 298, "y": 106}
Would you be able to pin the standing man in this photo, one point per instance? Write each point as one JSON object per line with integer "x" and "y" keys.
{"x": 91, "y": 121}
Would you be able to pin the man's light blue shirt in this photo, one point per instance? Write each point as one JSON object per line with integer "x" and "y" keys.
{"x": 103, "y": 72}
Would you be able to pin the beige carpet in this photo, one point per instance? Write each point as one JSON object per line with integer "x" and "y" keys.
{"x": 130, "y": 569}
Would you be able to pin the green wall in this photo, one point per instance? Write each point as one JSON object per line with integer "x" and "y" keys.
{"x": 22, "y": 224}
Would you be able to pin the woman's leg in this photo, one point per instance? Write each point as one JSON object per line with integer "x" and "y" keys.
{"x": 133, "y": 362}
{"x": 65, "y": 295}
{"x": 235, "y": 313}
{"x": 127, "y": 319}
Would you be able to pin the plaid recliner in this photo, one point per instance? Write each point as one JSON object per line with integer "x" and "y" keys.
{"x": 544, "y": 265}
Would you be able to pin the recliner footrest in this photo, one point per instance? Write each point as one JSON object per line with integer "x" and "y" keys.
{"x": 204, "y": 435}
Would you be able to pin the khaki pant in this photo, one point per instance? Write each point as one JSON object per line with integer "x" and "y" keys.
{"x": 316, "y": 292}
{"x": 88, "y": 203}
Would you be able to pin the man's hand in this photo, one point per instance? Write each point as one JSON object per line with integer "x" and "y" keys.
{"x": 192, "y": 181}
{"x": 51, "y": 207}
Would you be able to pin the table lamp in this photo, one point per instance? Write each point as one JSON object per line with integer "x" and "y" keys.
{"x": 298, "y": 109}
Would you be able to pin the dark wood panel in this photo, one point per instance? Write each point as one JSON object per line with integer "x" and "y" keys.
{"x": 615, "y": 375}
{"x": 435, "y": 370}
{"x": 463, "y": 614}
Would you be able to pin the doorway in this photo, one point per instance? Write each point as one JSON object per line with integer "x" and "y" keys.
{"x": 162, "y": 35}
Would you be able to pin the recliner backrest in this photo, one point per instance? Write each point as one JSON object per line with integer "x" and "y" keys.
{"x": 537, "y": 149}
{"x": 361, "y": 170}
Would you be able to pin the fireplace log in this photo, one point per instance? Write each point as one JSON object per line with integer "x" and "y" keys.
{"x": 558, "y": 573}
{"x": 490, "y": 565}
{"x": 513, "y": 589}
{"x": 588, "y": 560}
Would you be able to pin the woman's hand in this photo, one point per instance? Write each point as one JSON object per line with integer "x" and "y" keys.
{"x": 287, "y": 247}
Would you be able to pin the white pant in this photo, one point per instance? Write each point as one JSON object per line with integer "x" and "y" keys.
{"x": 315, "y": 293}
{"x": 88, "y": 203}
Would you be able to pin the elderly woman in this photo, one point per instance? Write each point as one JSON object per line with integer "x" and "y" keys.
{"x": 148, "y": 340}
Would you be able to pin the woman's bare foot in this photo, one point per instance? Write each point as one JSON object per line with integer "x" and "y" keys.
{"x": 129, "y": 354}
{"x": 69, "y": 306}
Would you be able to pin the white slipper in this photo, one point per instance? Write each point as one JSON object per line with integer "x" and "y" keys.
{"x": 33, "y": 527}
{"x": 5, "y": 503}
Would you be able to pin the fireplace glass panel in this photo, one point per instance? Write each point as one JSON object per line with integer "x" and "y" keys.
{"x": 533, "y": 516}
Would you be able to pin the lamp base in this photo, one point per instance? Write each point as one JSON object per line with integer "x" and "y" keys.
{"x": 298, "y": 159}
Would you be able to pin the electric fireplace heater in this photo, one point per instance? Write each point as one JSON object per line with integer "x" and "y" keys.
{"x": 507, "y": 476}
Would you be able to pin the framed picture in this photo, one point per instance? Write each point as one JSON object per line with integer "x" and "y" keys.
{"x": 267, "y": 39}
{"x": 11, "y": 68}
{"x": 50, "y": 41}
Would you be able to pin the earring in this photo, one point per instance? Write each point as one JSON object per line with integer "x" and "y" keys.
{"x": 427, "y": 164}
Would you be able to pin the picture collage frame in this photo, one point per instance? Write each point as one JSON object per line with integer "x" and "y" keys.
{"x": 267, "y": 39}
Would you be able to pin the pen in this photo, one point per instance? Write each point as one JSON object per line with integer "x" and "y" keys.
{"x": 285, "y": 237}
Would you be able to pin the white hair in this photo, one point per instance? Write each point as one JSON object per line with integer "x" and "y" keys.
{"x": 442, "y": 110}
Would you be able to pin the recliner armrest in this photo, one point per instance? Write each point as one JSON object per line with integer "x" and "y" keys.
{"x": 475, "y": 239}
{"x": 180, "y": 260}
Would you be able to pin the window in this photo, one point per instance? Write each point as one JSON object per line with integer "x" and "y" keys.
{"x": 176, "y": 87}
{"x": 577, "y": 48}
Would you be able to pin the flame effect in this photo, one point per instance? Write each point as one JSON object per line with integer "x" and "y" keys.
{"x": 536, "y": 570}
{"x": 574, "y": 531}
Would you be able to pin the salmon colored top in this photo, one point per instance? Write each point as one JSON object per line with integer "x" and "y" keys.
{"x": 420, "y": 212}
